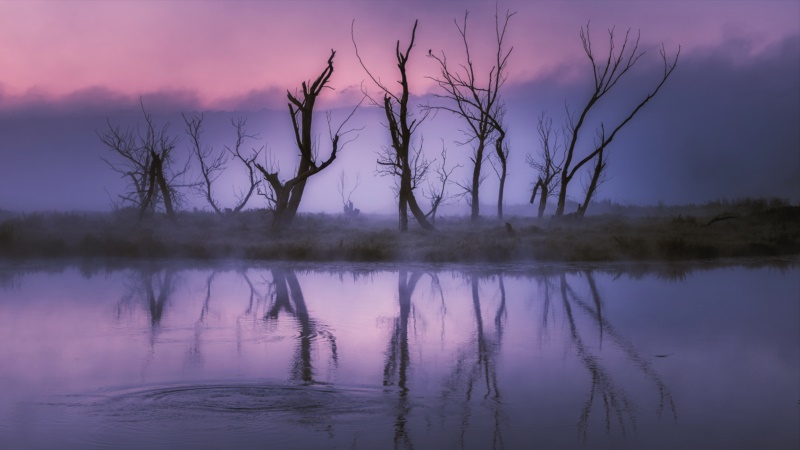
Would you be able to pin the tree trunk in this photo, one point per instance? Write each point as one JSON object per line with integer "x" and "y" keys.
{"x": 418, "y": 213}
{"x": 598, "y": 170}
{"x": 502, "y": 157}
{"x": 476, "y": 181}
{"x": 162, "y": 184}
{"x": 280, "y": 214}
{"x": 297, "y": 191}
{"x": 542, "y": 202}
{"x": 148, "y": 197}
{"x": 402, "y": 206}
{"x": 500, "y": 192}
{"x": 562, "y": 198}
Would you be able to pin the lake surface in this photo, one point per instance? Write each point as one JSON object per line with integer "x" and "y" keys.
{"x": 364, "y": 356}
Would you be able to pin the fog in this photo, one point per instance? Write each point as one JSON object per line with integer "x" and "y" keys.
{"x": 724, "y": 126}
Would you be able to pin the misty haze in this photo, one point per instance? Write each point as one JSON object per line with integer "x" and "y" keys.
{"x": 440, "y": 224}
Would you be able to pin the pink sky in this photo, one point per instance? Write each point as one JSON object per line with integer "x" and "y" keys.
{"x": 223, "y": 51}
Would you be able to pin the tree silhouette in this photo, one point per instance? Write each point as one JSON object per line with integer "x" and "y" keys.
{"x": 285, "y": 196}
{"x": 401, "y": 160}
{"x": 606, "y": 72}
{"x": 145, "y": 159}
{"x": 436, "y": 192}
{"x": 213, "y": 162}
{"x": 548, "y": 164}
{"x": 346, "y": 194}
{"x": 479, "y": 106}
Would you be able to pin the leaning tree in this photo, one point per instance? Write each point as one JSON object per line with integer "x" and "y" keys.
{"x": 479, "y": 105}
{"x": 607, "y": 70}
{"x": 145, "y": 159}
{"x": 285, "y": 195}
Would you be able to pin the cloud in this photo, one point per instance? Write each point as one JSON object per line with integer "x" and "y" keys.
{"x": 723, "y": 126}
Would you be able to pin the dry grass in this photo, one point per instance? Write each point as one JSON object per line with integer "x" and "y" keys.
{"x": 770, "y": 230}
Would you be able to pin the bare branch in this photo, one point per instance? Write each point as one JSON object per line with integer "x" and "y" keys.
{"x": 606, "y": 75}
{"x": 478, "y": 105}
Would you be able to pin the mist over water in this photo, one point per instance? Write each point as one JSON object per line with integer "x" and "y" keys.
{"x": 375, "y": 356}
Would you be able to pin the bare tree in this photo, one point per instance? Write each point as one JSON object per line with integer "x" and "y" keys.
{"x": 213, "y": 162}
{"x": 347, "y": 203}
{"x": 479, "y": 106}
{"x": 606, "y": 75}
{"x": 437, "y": 194}
{"x": 145, "y": 159}
{"x": 285, "y": 195}
{"x": 501, "y": 152}
{"x": 548, "y": 164}
{"x": 597, "y": 176}
{"x": 401, "y": 160}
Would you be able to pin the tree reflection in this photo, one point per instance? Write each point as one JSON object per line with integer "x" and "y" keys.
{"x": 398, "y": 360}
{"x": 154, "y": 289}
{"x": 195, "y": 351}
{"x": 616, "y": 402}
{"x": 476, "y": 365}
{"x": 472, "y": 393}
{"x": 288, "y": 297}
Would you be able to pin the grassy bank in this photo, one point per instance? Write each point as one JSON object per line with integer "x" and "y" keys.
{"x": 737, "y": 231}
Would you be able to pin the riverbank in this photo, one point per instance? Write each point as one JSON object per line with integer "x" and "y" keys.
{"x": 735, "y": 233}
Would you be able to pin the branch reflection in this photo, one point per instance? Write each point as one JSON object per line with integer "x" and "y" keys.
{"x": 615, "y": 400}
{"x": 287, "y": 296}
{"x": 476, "y": 363}
{"x": 398, "y": 360}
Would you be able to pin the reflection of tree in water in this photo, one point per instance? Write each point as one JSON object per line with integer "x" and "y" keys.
{"x": 476, "y": 366}
{"x": 398, "y": 360}
{"x": 195, "y": 351}
{"x": 615, "y": 400}
{"x": 288, "y": 297}
{"x": 153, "y": 288}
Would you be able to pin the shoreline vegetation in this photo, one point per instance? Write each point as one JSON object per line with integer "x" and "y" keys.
{"x": 718, "y": 230}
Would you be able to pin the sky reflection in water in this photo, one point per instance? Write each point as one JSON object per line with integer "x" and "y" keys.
{"x": 281, "y": 357}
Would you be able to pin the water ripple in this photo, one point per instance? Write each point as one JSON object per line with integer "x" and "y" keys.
{"x": 203, "y": 414}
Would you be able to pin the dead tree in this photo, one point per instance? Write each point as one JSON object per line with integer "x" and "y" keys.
{"x": 213, "y": 162}
{"x": 479, "y": 106}
{"x": 400, "y": 160}
{"x": 548, "y": 164}
{"x": 606, "y": 75}
{"x": 145, "y": 159}
{"x": 285, "y": 196}
{"x": 597, "y": 176}
{"x": 347, "y": 203}
{"x": 437, "y": 193}
{"x": 501, "y": 152}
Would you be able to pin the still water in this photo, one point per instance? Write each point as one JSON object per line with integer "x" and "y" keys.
{"x": 363, "y": 356}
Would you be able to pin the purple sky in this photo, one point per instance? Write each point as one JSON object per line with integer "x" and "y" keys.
{"x": 724, "y": 125}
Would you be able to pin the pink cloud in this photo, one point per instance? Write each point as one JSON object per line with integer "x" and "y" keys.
{"x": 221, "y": 51}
